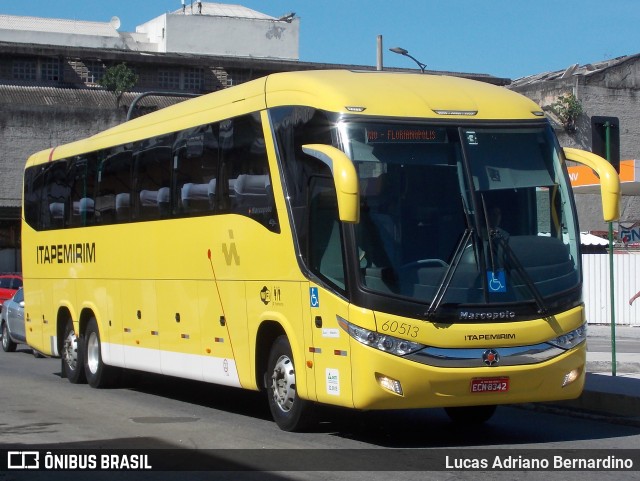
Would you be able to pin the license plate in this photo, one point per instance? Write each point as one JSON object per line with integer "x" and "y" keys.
{"x": 489, "y": 384}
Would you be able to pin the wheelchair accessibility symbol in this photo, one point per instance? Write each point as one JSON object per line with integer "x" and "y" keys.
{"x": 314, "y": 297}
{"x": 496, "y": 281}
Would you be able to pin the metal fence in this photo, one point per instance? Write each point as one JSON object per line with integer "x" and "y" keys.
{"x": 626, "y": 282}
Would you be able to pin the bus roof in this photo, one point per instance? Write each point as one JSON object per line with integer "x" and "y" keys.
{"x": 398, "y": 95}
{"x": 367, "y": 93}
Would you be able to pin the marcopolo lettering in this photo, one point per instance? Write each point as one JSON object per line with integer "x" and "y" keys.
{"x": 77, "y": 253}
{"x": 465, "y": 315}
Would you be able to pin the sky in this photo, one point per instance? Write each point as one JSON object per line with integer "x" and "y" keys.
{"x": 504, "y": 38}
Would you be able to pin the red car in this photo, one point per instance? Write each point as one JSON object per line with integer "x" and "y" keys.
{"x": 9, "y": 284}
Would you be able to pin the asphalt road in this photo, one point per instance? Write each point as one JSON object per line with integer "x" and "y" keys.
{"x": 39, "y": 409}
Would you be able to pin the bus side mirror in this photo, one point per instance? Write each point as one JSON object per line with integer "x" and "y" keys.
{"x": 609, "y": 180}
{"x": 345, "y": 178}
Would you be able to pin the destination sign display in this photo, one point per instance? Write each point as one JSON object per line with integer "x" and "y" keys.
{"x": 404, "y": 134}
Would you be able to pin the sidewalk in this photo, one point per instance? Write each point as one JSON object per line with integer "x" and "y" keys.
{"x": 617, "y": 397}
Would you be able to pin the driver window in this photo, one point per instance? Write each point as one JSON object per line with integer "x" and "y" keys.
{"x": 325, "y": 236}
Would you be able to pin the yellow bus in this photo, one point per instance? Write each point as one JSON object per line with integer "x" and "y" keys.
{"x": 369, "y": 240}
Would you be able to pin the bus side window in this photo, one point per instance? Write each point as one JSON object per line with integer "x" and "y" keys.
{"x": 245, "y": 171}
{"x": 195, "y": 155}
{"x": 152, "y": 173}
{"x": 81, "y": 177}
{"x": 36, "y": 211}
{"x": 56, "y": 195}
{"x": 112, "y": 202}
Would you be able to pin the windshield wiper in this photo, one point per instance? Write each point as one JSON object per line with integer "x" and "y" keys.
{"x": 524, "y": 275}
{"x": 448, "y": 275}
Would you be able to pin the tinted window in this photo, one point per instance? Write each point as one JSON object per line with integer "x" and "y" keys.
{"x": 196, "y": 165}
{"x": 113, "y": 197}
{"x": 245, "y": 178}
{"x": 214, "y": 168}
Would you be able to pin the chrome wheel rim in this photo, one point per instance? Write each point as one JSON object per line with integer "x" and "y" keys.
{"x": 283, "y": 383}
{"x": 70, "y": 350}
{"x": 5, "y": 336}
{"x": 93, "y": 353}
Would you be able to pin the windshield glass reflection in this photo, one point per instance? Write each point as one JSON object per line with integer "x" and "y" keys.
{"x": 462, "y": 216}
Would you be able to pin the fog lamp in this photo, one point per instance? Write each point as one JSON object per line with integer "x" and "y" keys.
{"x": 389, "y": 384}
{"x": 571, "y": 376}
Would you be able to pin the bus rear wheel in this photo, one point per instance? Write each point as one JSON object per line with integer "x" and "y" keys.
{"x": 72, "y": 356}
{"x": 98, "y": 374}
{"x": 470, "y": 414}
{"x": 289, "y": 411}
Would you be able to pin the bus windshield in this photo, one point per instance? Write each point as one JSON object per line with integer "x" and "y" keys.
{"x": 454, "y": 216}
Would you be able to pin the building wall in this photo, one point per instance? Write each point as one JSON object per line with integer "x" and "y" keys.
{"x": 236, "y": 37}
{"x": 25, "y": 130}
{"x": 67, "y": 39}
{"x": 613, "y": 90}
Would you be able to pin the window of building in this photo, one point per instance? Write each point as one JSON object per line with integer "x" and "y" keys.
{"x": 50, "y": 69}
{"x": 25, "y": 69}
{"x": 93, "y": 71}
{"x": 193, "y": 79}
{"x": 169, "y": 79}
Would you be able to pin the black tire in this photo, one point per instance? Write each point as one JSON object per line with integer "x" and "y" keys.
{"x": 72, "y": 355}
{"x": 7, "y": 344}
{"x": 470, "y": 414}
{"x": 98, "y": 374}
{"x": 287, "y": 409}
{"x": 37, "y": 354}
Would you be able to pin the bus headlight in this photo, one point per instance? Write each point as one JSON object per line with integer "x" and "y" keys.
{"x": 571, "y": 339}
{"x": 382, "y": 342}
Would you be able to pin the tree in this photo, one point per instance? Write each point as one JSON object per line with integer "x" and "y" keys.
{"x": 568, "y": 108}
{"x": 118, "y": 80}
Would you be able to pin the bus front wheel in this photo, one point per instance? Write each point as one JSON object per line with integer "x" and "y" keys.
{"x": 98, "y": 374}
{"x": 289, "y": 411}
{"x": 470, "y": 414}
{"x": 72, "y": 356}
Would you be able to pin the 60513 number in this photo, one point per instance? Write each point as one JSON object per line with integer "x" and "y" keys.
{"x": 401, "y": 328}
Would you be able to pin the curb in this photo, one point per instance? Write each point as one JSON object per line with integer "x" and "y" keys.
{"x": 605, "y": 398}
{"x": 621, "y": 367}
{"x": 605, "y": 403}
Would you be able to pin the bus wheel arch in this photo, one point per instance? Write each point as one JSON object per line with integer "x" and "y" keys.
{"x": 267, "y": 333}
{"x": 64, "y": 316}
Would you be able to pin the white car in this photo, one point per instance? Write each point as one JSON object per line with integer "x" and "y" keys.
{"x": 12, "y": 322}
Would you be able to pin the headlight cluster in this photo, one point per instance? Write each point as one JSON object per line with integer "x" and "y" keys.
{"x": 382, "y": 342}
{"x": 571, "y": 339}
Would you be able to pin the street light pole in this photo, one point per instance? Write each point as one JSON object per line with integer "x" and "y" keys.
{"x": 405, "y": 52}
